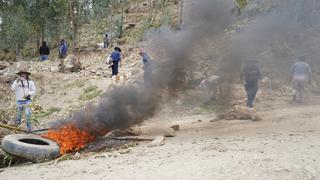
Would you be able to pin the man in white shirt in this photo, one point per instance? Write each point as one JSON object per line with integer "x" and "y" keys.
{"x": 301, "y": 75}
{"x": 24, "y": 90}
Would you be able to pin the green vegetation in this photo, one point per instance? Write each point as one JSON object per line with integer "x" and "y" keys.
{"x": 90, "y": 93}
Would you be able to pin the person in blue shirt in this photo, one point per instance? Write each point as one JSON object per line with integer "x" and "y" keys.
{"x": 115, "y": 58}
{"x": 147, "y": 66}
{"x": 63, "y": 49}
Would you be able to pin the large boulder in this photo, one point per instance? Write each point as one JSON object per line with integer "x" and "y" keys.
{"x": 240, "y": 113}
{"x": 70, "y": 64}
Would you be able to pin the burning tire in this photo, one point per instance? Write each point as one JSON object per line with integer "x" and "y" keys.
{"x": 31, "y": 147}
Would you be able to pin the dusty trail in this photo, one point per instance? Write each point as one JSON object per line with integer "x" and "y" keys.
{"x": 284, "y": 145}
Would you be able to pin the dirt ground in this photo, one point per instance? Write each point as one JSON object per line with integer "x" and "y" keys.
{"x": 283, "y": 145}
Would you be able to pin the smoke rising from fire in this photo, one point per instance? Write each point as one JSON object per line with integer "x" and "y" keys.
{"x": 275, "y": 38}
{"x": 125, "y": 106}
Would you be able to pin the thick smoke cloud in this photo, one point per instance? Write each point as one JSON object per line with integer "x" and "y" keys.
{"x": 125, "y": 106}
{"x": 278, "y": 36}
{"x": 275, "y": 37}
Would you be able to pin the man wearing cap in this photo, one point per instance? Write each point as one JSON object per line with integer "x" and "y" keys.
{"x": 115, "y": 58}
{"x": 250, "y": 77}
{"x": 147, "y": 66}
{"x": 24, "y": 90}
{"x": 300, "y": 75}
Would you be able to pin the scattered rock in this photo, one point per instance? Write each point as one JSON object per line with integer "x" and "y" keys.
{"x": 178, "y": 102}
{"x": 170, "y": 133}
{"x": 176, "y": 127}
{"x": 240, "y": 113}
{"x": 125, "y": 151}
{"x": 99, "y": 73}
{"x": 70, "y": 64}
{"x": 54, "y": 68}
{"x": 76, "y": 156}
{"x": 134, "y": 131}
{"x": 158, "y": 141}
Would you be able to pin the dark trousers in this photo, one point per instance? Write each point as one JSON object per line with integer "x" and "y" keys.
{"x": 251, "y": 89}
{"x": 115, "y": 68}
{"x": 147, "y": 75}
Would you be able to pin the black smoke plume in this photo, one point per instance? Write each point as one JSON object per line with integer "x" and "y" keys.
{"x": 126, "y": 106}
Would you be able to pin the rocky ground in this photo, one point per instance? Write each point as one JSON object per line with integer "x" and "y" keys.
{"x": 283, "y": 145}
{"x": 212, "y": 143}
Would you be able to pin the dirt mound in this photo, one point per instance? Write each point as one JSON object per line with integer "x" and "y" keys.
{"x": 240, "y": 113}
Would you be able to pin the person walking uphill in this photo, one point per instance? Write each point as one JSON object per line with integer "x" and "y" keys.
{"x": 63, "y": 49}
{"x": 44, "y": 51}
{"x": 300, "y": 75}
{"x": 24, "y": 90}
{"x": 116, "y": 59}
{"x": 250, "y": 76}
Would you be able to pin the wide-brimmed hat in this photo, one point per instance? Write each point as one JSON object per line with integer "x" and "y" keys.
{"x": 23, "y": 71}
{"x": 117, "y": 49}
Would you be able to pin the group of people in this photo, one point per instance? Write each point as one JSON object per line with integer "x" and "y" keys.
{"x": 44, "y": 50}
{"x": 300, "y": 77}
{"x": 115, "y": 61}
{"x": 25, "y": 89}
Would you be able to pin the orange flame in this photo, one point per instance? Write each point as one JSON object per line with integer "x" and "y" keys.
{"x": 70, "y": 138}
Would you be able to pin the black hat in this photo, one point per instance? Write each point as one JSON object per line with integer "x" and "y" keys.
{"x": 23, "y": 72}
{"x": 117, "y": 49}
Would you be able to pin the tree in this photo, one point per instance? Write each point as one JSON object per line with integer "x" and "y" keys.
{"x": 14, "y": 28}
{"x": 241, "y": 4}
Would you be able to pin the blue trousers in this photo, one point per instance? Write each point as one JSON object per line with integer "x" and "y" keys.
{"x": 24, "y": 105}
{"x": 251, "y": 89}
{"x": 43, "y": 57}
{"x": 115, "y": 68}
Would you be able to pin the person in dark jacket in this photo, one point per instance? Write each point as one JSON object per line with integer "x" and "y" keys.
{"x": 44, "y": 51}
{"x": 63, "y": 49}
{"x": 106, "y": 41}
{"x": 250, "y": 77}
{"x": 116, "y": 59}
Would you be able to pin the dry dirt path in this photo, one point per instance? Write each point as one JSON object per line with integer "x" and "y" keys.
{"x": 284, "y": 145}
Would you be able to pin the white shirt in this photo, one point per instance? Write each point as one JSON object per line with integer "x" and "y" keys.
{"x": 20, "y": 91}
